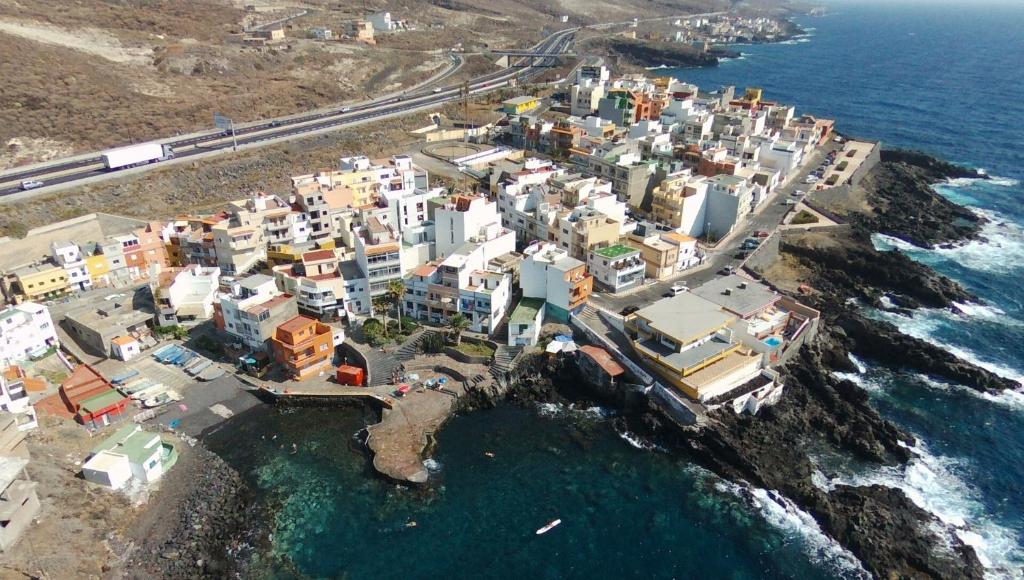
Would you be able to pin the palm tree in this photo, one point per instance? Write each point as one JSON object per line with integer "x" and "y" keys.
{"x": 396, "y": 293}
{"x": 381, "y": 304}
{"x": 457, "y": 324}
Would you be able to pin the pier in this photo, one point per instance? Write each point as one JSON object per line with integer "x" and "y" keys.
{"x": 402, "y": 438}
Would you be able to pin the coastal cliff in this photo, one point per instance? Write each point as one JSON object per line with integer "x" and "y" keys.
{"x": 631, "y": 54}
{"x": 838, "y": 271}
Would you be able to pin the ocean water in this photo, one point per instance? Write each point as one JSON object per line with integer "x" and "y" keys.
{"x": 627, "y": 509}
{"x": 942, "y": 78}
{"x": 934, "y": 77}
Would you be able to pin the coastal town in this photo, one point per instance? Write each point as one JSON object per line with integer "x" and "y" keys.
{"x": 369, "y": 280}
{"x": 629, "y": 230}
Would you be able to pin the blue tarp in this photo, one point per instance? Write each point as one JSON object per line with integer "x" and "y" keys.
{"x": 563, "y": 338}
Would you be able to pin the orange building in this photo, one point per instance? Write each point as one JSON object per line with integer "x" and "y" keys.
{"x": 303, "y": 346}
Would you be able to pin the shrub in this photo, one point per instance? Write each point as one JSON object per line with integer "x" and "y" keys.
{"x": 179, "y": 332}
{"x": 409, "y": 324}
{"x": 433, "y": 343}
{"x": 804, "y": 217}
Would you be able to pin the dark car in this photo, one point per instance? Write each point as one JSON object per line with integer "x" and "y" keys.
{"x": 629, "y": 310}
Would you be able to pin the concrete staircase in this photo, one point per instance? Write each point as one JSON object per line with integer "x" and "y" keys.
{"x": 384, "y": 365}
{"x": 504, "y": 358}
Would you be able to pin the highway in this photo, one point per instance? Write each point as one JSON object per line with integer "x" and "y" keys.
{"x": 67, "y": 172}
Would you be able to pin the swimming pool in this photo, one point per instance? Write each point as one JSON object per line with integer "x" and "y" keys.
{"x": 773, "y": 341}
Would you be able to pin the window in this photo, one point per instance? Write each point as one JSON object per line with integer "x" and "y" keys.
{"x": 323, "y": 347}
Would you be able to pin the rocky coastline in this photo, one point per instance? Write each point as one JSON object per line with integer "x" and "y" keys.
{"x": 888, "y": 533}
{"x": 204, "y": 524}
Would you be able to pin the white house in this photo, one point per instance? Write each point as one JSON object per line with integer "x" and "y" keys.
{"x": 187, "y": 293}
{"x": 382, "y": 22}
{"x": 525, "y": 322}
{"x": 129, "y": 454}
{"x": 69, "y": 256}
{"x": 125, "y": 347}
{"x": 14, "y": 398}
{"x": 26, "y": 330}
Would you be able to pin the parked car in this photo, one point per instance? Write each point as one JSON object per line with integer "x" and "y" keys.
{"x": 760, "y": 234}
{"x": 629, "y": 310}
{"x": 790, "y": 201}
{"x": 346, "y": 109}
{"x": 678, "y": 289}
{"x": 275, "y": 123}
{"x": 727, "y": 270}
{"x": 30, "y": 184}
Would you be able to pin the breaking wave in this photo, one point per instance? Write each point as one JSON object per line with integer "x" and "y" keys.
{"x": 932, "y": 484}
{"x": 783, "y": 514}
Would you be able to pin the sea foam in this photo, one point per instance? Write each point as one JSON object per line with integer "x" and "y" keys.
{"x": 931, "y": 483}
{"x": 784, "y": 515}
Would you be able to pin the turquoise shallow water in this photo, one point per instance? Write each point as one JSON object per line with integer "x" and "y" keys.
{"x": 626, "y": 512}
{"x": 937, "y": 77}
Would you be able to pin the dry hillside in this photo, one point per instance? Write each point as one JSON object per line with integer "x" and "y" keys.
{"x": 86, "y": 74}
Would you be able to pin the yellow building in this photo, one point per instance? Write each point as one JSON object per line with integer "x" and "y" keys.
{"x": 694, "y": 345}
{"x": 39, "y": 282}
{"x": 520, "y": 105}
{"x": 99, "y": 268}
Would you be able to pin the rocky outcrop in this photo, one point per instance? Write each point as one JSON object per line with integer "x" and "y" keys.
{"x": 205, "y": 524}
{"x": 906, "y": 207}
{"x": 630, "y": 53}
{"x": 887, "y": 532}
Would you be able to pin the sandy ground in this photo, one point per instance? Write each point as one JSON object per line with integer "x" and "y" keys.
{"x": 88, "y": 40}
{"x": 79, "y": 526}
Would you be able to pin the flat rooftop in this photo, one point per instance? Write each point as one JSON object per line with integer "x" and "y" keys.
{"x": 737, "y": 294}
{"x": 616, "y": 251}
{"x": 691, "y": 356}
{"x": 527, "y": 310}
{"x": 685, "y": 317}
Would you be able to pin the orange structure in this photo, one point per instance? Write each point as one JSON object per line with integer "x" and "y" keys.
{"x": 303, "y": 346}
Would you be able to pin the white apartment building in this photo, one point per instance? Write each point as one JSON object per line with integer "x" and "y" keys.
{"x": 585, "y": 96}
{"x": 185, "y": 294}
{"x": 379, "y": 254}
{"x": 69, "y": 256}
{"x": 26, "y": 330}
{"x": 616, "y": 268}
{"x": 254, "y": 308}
{"x": 730, "y": 199}
{"x": 465, "y": 218}
{"x": 551, "y": 274}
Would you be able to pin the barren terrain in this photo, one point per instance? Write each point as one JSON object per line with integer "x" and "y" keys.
{"x": 83, "y": 75}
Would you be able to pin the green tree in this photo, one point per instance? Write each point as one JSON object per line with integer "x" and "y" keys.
{"x": 381, "y": 304}
{"x": 456, "y": 325}
{"x": 396, "y": 293}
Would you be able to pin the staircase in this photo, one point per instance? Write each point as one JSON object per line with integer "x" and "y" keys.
{"x": 504, "y": 358}
{"x": 384, "y": 365}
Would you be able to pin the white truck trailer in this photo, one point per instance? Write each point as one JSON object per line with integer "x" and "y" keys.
{"x": 137, "y": 155}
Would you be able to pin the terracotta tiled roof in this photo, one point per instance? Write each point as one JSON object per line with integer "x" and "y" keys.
{"x": 603, "y": 359}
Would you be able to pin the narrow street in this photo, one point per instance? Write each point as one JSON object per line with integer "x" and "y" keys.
{"x": 768, "y": 217}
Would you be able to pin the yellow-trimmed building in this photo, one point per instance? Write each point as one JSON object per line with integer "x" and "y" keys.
{"x": 39, "y": 282}
{"x": 99, "y": 269}
{"x": 694, "y": 345}
{"x": 520, "y": 105}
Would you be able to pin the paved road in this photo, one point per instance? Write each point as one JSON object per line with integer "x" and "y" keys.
{"x": 768, "y": 218}
{"x": 71, "y": 171}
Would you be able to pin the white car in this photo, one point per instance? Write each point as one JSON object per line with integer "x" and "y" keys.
{"x": 346, "y": 109}
{"x": 30, "y": 184}
{"x": 678, "y": 289}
